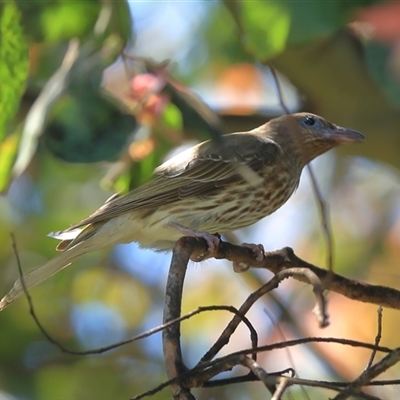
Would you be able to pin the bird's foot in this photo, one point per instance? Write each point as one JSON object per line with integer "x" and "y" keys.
{"x": 257, "y": 249}
{"x": 212, "y": 240}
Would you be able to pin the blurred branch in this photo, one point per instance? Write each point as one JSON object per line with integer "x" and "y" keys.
{"x": 288, "y": 266}
{"x": 30, "y": 302}
{"x": 283, "y": 263}
{"x": 165, "y": 326}
{"x": 35, "y": 119}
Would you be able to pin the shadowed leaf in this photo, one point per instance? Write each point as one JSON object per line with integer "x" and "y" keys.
{"x": 87, "y": 128}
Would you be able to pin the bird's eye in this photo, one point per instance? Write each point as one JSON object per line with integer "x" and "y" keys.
{"x": 310, "y": 121}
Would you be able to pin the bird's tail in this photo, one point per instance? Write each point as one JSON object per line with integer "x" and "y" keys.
{"x": 38, "y": 275}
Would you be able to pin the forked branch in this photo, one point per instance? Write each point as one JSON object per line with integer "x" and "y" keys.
{"x": 283, "y": 263}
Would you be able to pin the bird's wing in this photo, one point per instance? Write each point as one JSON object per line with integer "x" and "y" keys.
{"x": 198, "y": 171}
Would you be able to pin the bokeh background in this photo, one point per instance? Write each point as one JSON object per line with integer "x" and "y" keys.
{"x": 95, "y": 94}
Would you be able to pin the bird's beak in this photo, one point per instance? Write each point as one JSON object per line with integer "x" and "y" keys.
{"x": 344, "y": 135}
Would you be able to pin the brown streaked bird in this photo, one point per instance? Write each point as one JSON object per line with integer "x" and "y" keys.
{"x": 202, "y": 191}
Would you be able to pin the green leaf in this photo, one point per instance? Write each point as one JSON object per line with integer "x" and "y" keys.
{"x": 270, "y": 26}
{"x": 8, "y": 152}
{"x": 69, "y": 19}
{"x": 172, "y": 117}
{"x": 266, "y": 26}
{"x": 13, "y": 64}
{"x": 52, "y": 21}
{"x": 121, "y": 185}
{"x": 221, "y": 33}
{"x": 56, "y": 20}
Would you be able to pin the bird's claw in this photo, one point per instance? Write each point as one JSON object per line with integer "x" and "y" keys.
{"x": 258, "y": 250}
{"x": 240, "y": 267}
{"x": 212, "y": 243}
{"x": 212, "y": 240}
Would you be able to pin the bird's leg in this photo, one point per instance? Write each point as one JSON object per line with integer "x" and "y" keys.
{"x": 212, "y": 240}
{"x": 258, "y": 250}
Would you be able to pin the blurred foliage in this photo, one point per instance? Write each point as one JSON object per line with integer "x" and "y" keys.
{"x": 13, "y": 73}
{"x": 13, "y": 63}
{"x": 103, "y": 30}
{"x": 59, "y": 20}
{"x": 378, "y": 59}
{"x": 269, "y": 27}
{"x": 92, "y": 109}
{"x": 87, "y": 128}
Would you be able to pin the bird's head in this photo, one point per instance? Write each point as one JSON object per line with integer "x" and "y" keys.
{"x": 309, "y": 135}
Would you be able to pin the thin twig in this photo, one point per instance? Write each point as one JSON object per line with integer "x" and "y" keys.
{"x": 322, "y": 205}
{"x": 143, "y": 335}
{"x": 289, "y": 354}
{"x": 261, "y": 373}
{"x": 324, "y": 216}
{"x": 250, "y": 377}
{"x": 29, "y": 299}
{"x": 272, "y": 284}
{"x": 378, "y": 337}
{"x": 278, "y": 262}
{"x": 318, "y": 290}
{"x": 279, "y": 90}
{"x": 391, "y": 359}
{"x": 234, "y": 359}
{"x": 228, "y": 361}
{"x": 244, "y": 308}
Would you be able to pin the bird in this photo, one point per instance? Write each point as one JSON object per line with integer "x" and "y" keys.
{"x": 209, "y": 188}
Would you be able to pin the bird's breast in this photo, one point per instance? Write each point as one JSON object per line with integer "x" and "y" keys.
{"x": 226, "y": 209}
{"x": 241, "y": 204}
